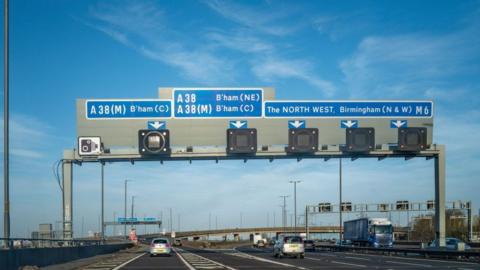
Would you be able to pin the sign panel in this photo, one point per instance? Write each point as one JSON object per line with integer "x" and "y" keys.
{"x": 349, "y": 123}
{"x": 156, "y": 125}
{"x": 238, "y": 124}
{"x": 296, "y": 124}
{"x": 128, "y": 109}
{"x": 217, "y": 103}
{"x": 398, "y": 123}
{"x": 346, "y": 109}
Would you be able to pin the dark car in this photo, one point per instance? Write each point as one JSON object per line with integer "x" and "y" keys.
{"x": 309, "y": 245}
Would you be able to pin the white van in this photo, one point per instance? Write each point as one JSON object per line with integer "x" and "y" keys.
{"x": 291, "y": 246}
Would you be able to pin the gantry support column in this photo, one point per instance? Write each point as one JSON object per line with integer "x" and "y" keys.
{"x": 67, "y": 196}
{"x": 440, "y": 196}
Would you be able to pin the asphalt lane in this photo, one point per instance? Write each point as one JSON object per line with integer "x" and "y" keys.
{"x": 255, "y": 258}
{"x": 157, "y": 262}
{"x": 344, "y": 260}
{"x": 237, "y": 260}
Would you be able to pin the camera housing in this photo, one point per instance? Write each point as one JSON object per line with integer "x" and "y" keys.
{"x": 89, "y": 146}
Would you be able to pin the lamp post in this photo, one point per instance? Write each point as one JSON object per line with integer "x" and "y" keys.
{"x": 125, "y": 209}
{"x": 133, "y": 206}
{"x": 284, "y": 211}
{"x": 295, "y": 201}
{"x": 340, "y": 204}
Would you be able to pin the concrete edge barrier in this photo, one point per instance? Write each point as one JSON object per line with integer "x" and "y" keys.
{"x": 15, "y": 258}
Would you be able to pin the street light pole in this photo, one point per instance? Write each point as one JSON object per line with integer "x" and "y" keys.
{"x": 6, "y": 124}
{"x": 125, "y": 210}
{"x": 103, "y": 202}
{"x": 284, "y": 212}
{"x": 340, "y": 204}
{"x": 133, "y": 205}
{"x": 295, "y": 201}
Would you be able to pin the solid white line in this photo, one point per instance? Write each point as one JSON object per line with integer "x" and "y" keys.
{"x": 269, "y": 261}
{"x": 405, "y": 263}
{"x": 127, "y": 262}
{"x": 356, "y": 258}
{"x": 351, "y": 264}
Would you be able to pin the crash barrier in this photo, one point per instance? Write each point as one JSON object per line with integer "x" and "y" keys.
{"x": 437, "y": 253}
{"x": 14, "y": 258}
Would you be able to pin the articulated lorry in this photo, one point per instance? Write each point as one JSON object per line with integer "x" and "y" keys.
{"x": 374, "y": 232}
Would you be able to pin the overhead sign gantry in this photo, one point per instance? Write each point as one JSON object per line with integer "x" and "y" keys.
{"x": 248, "y": 123}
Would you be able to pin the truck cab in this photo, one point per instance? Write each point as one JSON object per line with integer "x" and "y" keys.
{"x": 380, "y": 232}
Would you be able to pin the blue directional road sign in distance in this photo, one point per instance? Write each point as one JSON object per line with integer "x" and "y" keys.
{"x": 296, "y": 124}
{"x": 156, "y": 125}
{"x": 398, "y": 123}
{"x": 128, "y": 109}
{"x": 347, "y": 109}
{"x": 348, "y": 123}
{"x": 238, "y": 124}
{"x": 218, "y": 103}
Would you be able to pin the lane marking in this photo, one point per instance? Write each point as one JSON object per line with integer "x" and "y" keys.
{"x": 344, "y": 263}
{"x": 129, "y": 261}
{"x": 356, "y": 258}
{"x": 414, "y": 264}
{"x": 183, "y": 260}
{"x": 351, "y": 264}
{"x": 204, "y": 263}
{"x": 248, "y": 256}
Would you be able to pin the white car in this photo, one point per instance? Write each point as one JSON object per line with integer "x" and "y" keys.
{"x": 291, "y": 246}
{"x": 160, "y": 246}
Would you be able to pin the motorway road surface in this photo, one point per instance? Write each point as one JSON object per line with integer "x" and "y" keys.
{"x": 252, "y": 258}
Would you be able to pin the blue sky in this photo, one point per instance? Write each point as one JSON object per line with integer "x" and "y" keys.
{"x": 64, "y": 50}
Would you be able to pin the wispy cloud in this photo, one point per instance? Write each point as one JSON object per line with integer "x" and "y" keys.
{"x": 243, "y": 41}
{"x": 141, "y": 26}
{"x": 273, "y": 21}
{"x": 28, "y": 137}
{"x": 411, "y": 64}
{"x": 271, "y": 69}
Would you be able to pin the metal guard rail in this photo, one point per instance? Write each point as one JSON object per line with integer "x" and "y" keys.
{"x": 405, "y": 251}
{"x": 45, "y": 242}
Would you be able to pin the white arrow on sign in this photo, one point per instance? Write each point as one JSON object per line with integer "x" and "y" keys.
{"x": 349, "y": 123}
{"x": 297, "y": 124}
{"x": 156, "y": 124}
{"x": 239, "y": 124}
{"x": 399, "y": 123}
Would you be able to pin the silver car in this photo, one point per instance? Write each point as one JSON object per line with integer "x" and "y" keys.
{"x": 160, "y": 246}
{"x": 291, "y": 246}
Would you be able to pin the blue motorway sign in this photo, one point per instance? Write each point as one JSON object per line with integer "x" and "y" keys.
{"x": 348, "y": 109}
{"x": 122, "y": 219}
{"x": 217, "y": 103}
{"x": 128, "y": 109}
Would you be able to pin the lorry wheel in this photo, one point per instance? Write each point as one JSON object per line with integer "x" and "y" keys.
{"x": 302, "y": 256}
